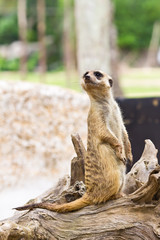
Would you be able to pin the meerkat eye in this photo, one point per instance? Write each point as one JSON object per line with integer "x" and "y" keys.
{"x": 98, "y": 75}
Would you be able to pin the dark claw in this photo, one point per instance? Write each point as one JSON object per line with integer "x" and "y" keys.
{"x": 130, "y": 162}
{"x": 124, "y": 160}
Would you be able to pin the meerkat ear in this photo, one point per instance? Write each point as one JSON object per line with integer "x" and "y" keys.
{"x": 110, "y": 82}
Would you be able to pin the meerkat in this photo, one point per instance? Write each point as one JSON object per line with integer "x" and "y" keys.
{"x": 108, "y": 147}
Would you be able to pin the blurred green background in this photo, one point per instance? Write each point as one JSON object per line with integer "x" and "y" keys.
{"x": 134, "y": 22}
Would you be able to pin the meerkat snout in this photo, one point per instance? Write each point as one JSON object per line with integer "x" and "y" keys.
{"x": 85, "y": 74}
{"x": 86, "y": 77}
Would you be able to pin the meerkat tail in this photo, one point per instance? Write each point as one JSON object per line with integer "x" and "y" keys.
{"x": 28, "y": 206}
{"x": 66, "y": 207}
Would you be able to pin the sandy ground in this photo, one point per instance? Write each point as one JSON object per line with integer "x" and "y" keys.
{"x": 17, "y": 196}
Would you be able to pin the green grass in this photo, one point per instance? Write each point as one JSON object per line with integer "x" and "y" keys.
{"x": 141, "y": 91}
{"x": 141, "y": 82}
{"x": 134, "y": 82}
{"x": 51, "y": 78}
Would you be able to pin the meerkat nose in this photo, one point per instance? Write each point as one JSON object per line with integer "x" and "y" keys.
{"x": 87, "y": 78}
{"x": 85, "y": 74}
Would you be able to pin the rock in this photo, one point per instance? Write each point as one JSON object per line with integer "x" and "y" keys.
{"x": 36, "y": 122}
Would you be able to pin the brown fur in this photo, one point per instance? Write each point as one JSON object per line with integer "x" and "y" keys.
{"x": 107, "y": 148}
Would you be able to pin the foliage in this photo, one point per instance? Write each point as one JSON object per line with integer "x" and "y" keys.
{"x": 14, "y": 64}
{"x": 8, "y": 28}
{"x": 54, "y": 29}
{"x": 9, "y": 65}
{"x": 135, "y": 20}
{"x": 32, "y": 62}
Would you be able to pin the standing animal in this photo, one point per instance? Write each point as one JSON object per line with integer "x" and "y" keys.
{"x": 108, "y": 147}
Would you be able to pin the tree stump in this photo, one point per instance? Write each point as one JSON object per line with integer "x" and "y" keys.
{"x": 134, "y": 216}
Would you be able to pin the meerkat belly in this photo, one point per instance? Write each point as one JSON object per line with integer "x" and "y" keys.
{"x": 103, "y": 178}
{"x": 113, "y": 169}
{"x": 115, "y": 127}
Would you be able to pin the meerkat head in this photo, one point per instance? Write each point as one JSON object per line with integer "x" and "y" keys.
{"x": 96, "y": 82}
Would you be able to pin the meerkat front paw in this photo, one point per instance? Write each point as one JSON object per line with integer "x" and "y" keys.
{"x": 128, "y": 152}
{"x": 120, "y": 154}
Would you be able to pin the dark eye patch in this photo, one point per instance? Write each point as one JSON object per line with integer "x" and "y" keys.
{"x": 98, "y": 75}
{"x": 110, "y": 82}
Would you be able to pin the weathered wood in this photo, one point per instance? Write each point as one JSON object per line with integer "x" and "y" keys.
{"x": 77, "y": 163}
{"x": 146, "y": 193}
{"x": 135, "y": 216}
{"x": 141, "y": 170}
{"x": 120, "y": 219}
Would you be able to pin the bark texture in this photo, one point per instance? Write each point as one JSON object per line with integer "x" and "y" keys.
{"x": 135, "y": 216}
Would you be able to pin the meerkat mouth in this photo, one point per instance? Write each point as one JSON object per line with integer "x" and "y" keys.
{"x": 88, "y": 79}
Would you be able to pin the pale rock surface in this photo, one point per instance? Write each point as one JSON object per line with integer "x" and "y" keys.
{"x": 36, "y": 122}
